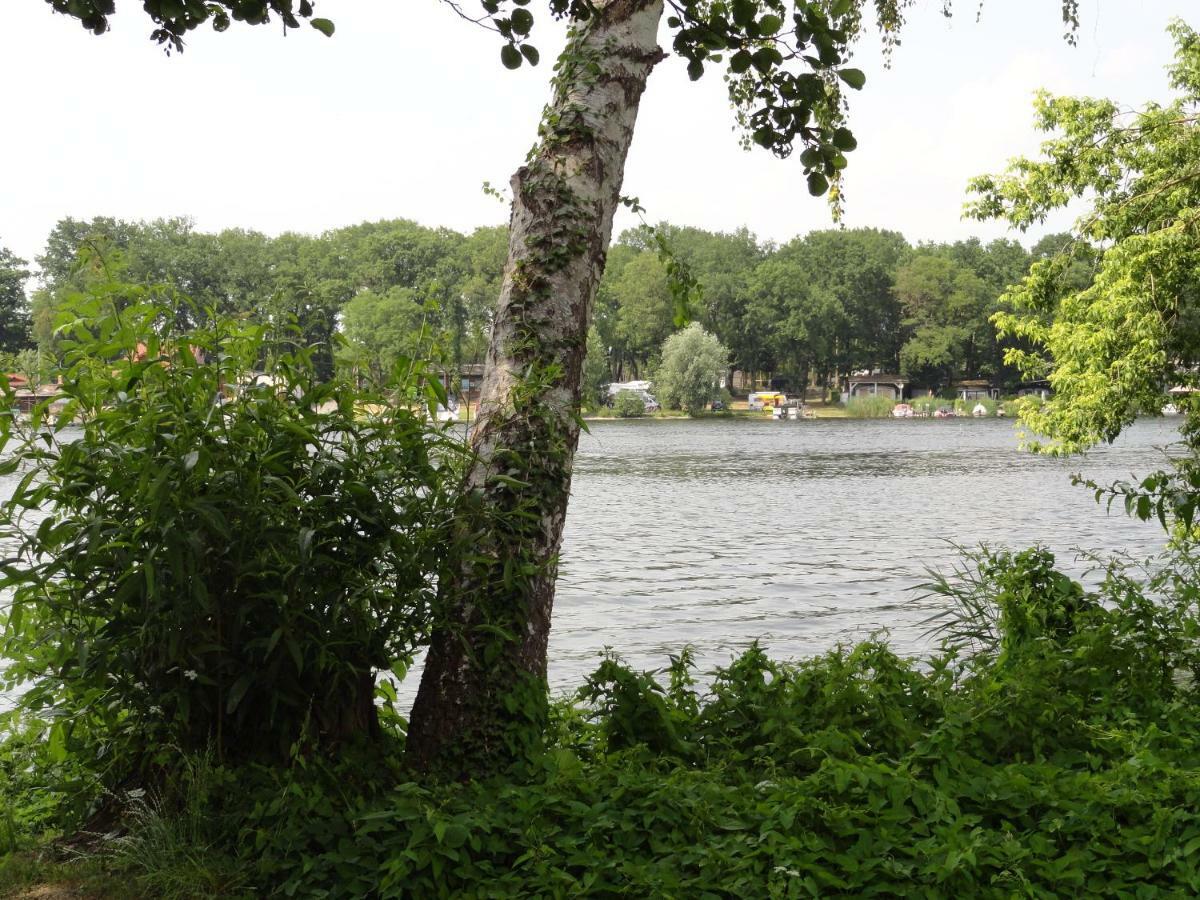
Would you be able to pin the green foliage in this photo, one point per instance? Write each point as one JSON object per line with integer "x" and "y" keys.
{"x": 1057, "y": 756}
{"x": 14, "y": 309}
{"x": 595, "y": 372}
{"x": 173, "y": 19}
{"x": 41, "y": 786}
{"x": 1050, "y": 748}
{"x": 693, "y": 362}
{"x": 173, "y": 846}
{"x": 212, "y": 546}
{"x": 629, "y": 405}
{"x": 1109, "y": 345}
{"x": 869, "y": 407}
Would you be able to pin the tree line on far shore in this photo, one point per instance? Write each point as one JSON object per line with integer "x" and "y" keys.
{"x": 807, "y": 311}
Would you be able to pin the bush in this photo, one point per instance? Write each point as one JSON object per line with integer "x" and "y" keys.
{"x": 1058, "y": 753}
{"x": 224, "y": 559}
{"x": 629, "y": 405}
{"x": 870, "y": 407}
{"x": 835, "y": 396}
{"x": 1050, "y": 747}
{"x": 926, "y": 406}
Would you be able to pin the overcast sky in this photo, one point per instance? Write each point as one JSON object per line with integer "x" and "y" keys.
{"x": 406, "y": 111}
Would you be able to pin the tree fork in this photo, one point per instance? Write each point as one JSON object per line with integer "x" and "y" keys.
{"x": 482, "y": 701}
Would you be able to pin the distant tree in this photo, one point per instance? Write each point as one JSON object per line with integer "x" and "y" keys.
{"x": 945, "y": 317}
{"x": 856, "y": 268}
{"x": 646, "y": 309}
{"x": 595, "y": 370}
{"x": 14, "y": 308}
{"x": 29, "y": 363}
{"x": 723, "y": 264}
{"x": 689, "y": 376}
{"x": 388, "y": 326}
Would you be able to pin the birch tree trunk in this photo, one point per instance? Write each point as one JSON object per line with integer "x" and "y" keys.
{"x": 482, "y": 700}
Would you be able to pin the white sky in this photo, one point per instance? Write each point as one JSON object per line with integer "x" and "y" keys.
{"x": 407, "y": 110}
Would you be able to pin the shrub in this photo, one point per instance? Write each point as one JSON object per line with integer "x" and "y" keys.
{"x": 870, "y": 407}
{"x": 224, "y": 559}
{"x": 926, "y": 405}
{"x": 1049, "y": 748}
{"x": 1060, "y": 754}
{"x": 629, "y": 405}
{"x": 835, "y": 396}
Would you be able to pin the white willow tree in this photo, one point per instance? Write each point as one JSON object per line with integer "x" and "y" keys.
{"x": 482, "y": 701}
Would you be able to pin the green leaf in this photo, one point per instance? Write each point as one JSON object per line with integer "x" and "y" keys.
{"x": 695, "y": 69}
{"x": 57, "y": 745}
{"x": 522, "y": 21}
{"x": 766, "y": 58}
{"x": 853, "y": 77}
{"x": 510, "y": 56}
{"x": 768, "y": 25}
{"x": 818, "y": 184}
{"x": 739, "y": 62}
{"x": 238, "y": 691}
{"x": 844, "y": 140}
{"x": 322, "y": 25}
{"x": 530, "y": 53}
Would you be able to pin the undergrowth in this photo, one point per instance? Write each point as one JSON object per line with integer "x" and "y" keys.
{"x": 1050, "y": 748}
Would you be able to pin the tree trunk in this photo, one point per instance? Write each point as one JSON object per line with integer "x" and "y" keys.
{"x": 482, "y": 701}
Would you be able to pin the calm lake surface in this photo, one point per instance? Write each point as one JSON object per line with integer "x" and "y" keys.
{"x": 717, "y": 533}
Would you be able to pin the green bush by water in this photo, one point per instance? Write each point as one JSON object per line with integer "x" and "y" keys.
{"x": 629, "y": 405}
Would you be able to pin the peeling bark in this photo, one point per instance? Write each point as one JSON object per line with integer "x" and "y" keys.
{"x": 482, "y": 700}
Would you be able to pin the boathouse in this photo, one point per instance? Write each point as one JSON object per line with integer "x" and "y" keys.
{"x": 976, "y": 389}
{"x": 890, "y": 386}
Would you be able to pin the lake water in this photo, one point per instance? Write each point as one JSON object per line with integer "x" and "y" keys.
{"x": 717, "y": 533}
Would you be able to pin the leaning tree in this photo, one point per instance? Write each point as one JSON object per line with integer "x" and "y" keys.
{"x": 482, "y": 699}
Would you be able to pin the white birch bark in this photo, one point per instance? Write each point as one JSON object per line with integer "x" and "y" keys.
{"x": 482, "y": 695}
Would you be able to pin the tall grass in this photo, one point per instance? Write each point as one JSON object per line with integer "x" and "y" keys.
{"x": 175, "y": 850}
{"x": 870, "y": 407}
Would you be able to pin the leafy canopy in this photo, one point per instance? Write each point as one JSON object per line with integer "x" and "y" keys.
{"x": 1110, "y": 346}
